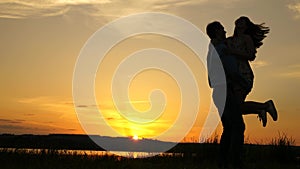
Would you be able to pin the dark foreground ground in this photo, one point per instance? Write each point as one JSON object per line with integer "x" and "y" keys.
{"x": 45, "y": 152}
{"x": 256, "y": 157}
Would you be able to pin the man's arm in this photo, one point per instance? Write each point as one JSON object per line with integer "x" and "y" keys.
{"x": 249, "y": 54}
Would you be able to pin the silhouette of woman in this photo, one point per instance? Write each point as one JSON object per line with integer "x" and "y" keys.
{"x": 246, "y": 39}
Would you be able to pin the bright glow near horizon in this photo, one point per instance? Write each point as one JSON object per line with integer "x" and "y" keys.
{"x": 135, "y": 137}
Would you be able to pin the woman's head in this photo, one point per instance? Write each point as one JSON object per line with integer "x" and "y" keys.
{"x": 242, "y": 24}
{"x": 256, "y": 31}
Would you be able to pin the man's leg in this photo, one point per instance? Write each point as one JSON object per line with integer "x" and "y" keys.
{"x": 237, "y": 145}
{"x": 225, "y": 142}
{"x": 238, "y": 128}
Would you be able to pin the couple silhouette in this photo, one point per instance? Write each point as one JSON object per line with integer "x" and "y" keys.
{"x": 234, "y": 53}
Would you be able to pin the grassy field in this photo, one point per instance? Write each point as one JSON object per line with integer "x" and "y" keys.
{"x": 256, "y": 157}
{"x": 280, "y": 153}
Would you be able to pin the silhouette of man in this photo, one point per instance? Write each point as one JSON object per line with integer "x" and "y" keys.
{"x": 218, "y": 63}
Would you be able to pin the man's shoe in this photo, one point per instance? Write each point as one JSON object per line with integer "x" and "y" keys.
{"x": 271, "y": 109}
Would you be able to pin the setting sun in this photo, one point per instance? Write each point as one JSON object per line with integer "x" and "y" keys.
{"x": 135, "y": 137}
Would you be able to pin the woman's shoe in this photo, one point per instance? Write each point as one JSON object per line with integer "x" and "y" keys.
{"x": 263, "y": 117}
{"x": 271, "y": 109}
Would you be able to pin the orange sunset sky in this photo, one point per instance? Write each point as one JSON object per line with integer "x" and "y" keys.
{"x": 41, "y": 41}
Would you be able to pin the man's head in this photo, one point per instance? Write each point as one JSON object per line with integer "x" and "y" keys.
{"x": 215, "y": 30}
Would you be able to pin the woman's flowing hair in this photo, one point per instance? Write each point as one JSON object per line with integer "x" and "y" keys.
{"x": 256, "y": 31}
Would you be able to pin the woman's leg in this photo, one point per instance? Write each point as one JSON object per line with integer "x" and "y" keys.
{"x": 251, "y": 107}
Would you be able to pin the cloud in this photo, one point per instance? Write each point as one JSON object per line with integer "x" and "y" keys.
{"x": 32, "y": 100}
{"x": 29, "y": 114}
{"x": 174, "y": 4}
{"x": 59, "y": 107}
{"x": 161, "y": 5}
{"x": 296, "y": 66}
{"x": 12, "y": 127}
{"x": 15, "y": 125}
{"x": 22, "y": 9}
{"x": 43, "y": 114}
{"x": 259, "y": 64}
{"x": 295, "y": 7}
{"x": 47, "y": 101}
{"x": 291, "y": 71}
{"x": 33, "y": 129}
{"x": 17, "y": 9}
{"x": 293, "y": 75}
{"x": 9, "y": 121}
{"x": 74, "y": 2}
{"x": 33, "y": 126}
{"x": 82, "y": 106}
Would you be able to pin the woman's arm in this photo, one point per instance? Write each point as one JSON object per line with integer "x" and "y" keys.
{"x": 250, "y": 52}
{"x": 250, "y": 48}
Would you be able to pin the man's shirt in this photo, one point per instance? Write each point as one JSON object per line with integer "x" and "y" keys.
{"x": 222, "y": 67}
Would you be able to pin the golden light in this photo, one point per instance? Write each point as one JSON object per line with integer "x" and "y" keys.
{"x": 139, "y": 89}
{"x": 135, "y": 137}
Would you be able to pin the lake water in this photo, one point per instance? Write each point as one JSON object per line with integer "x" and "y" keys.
{"x": 91, "y": 152}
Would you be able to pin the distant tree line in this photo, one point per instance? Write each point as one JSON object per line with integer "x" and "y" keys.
{"x": 51, "y": 141}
